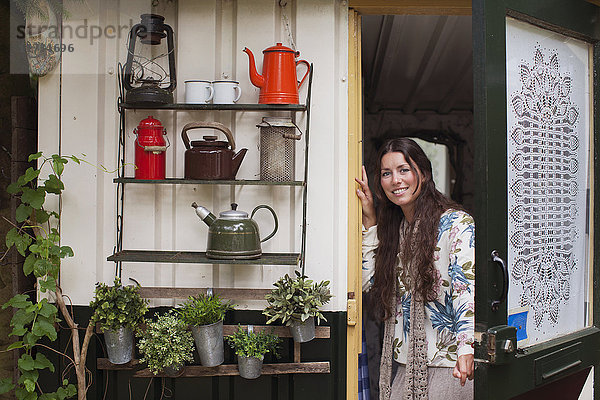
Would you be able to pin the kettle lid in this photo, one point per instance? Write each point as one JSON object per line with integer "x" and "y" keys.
{"x": 209, "y": 141}
{"x": 233, "y": 213}
{"x": 279, "y": 47}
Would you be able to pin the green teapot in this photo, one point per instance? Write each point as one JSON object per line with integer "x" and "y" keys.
{"x": 234, "y": 235}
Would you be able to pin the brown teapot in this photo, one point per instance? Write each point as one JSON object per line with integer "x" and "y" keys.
{"x": 210, "y": 158}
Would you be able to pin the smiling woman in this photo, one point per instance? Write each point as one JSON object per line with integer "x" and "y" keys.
{"x": 400, "y": 181}
{"x": 418, "y": 262}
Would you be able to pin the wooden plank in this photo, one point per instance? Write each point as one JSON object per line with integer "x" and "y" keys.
{"x": 194, "y": 371}
{"x": 103, "y": 363}
{"x": 414, "y": 7}
{"x": 189, "y": 371}
{"x": 321, "y": 332}
{"x": 297, "y": 352}
{"x": 353, "y": 331}
{"x": 23, "y": 112}
{"x": 184, "y": 293}
{"x": 199, "y": 257}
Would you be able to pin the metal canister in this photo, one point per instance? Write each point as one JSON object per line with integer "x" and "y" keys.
{"x": 150, "y": 148}
{"x": 277, "y": 149}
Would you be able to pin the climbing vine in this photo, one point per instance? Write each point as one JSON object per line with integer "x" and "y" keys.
{"x": 37, "y": 237}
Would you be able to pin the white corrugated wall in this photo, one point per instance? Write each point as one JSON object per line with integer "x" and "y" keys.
{"x": 78, "y": 114}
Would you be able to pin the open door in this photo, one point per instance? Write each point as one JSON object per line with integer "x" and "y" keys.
{"x": 536, "y": 91}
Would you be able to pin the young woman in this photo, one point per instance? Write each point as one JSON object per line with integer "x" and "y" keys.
{"x": 418, "y": 262}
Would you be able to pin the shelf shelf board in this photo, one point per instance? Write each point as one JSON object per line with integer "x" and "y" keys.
{"x": 183, "y": 181}
{"x": 193, "y": 371}
{"x": 209, "y": 107}
{"x": 197, "y": 257}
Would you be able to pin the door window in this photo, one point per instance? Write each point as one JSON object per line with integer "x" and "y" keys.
{"x": 548, "y": 128}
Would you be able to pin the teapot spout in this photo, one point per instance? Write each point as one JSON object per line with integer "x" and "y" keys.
{"x": 256, "y": 79}
{"x": 236, "y": 161}
{"x": 204, "y": 214}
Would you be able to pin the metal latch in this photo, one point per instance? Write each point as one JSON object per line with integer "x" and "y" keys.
{"x": 352, "y": 310}
{"x": 501, "y": 344}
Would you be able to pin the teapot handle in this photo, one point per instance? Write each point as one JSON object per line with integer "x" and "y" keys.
{"x": 206, "y": 124}
{"x": 274, "y": 218}
{"x": 307, "y": 71}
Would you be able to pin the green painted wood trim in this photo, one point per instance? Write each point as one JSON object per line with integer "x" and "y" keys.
{"x": 574, "y": 18}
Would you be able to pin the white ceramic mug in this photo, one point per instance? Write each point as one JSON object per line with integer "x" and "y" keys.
{"x": 198, "y": 92}
{"x": 226, "y": 92}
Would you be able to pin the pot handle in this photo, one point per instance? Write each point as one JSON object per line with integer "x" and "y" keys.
{"x": 153, "y": 149}
{"x": 307, "y": 71}
{"x": 206, "y": 124}
{"x": 274, "y": 219}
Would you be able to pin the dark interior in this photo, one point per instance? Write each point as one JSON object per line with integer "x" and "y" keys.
{"x": 417, "y": 75}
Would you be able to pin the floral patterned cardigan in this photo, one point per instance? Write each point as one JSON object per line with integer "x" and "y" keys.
{"x": 449, "y": 320}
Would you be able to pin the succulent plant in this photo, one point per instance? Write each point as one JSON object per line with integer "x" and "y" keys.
{"x": 296, "y": 299}
{"x": 253, "y": 344}
{"x": 203, "y": 309}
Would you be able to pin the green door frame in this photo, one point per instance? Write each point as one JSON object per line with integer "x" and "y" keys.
{"x": 522, "y": 373}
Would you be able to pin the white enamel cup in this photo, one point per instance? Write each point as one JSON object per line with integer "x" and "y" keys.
{"x": 198, "y": 92}
{"x": 226, "y": 92}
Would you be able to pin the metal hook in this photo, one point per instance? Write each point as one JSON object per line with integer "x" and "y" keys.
{"x": 282, "y": 5}
{"x": 209, "y": 292}
{"x": 137, "y": 283}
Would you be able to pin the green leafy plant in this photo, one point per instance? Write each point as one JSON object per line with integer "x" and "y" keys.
{"x": 116, "y": 306}
{"x": 37, "y": 238}
{"x": 166, "y": 343}
{"x": 296, "y": 299}
{"x": 203, "y": 309}
{"x": 253, "y": 344}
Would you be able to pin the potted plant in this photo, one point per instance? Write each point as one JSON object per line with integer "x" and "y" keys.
{"x": 251, "y": 348}
{"x": 119, "y": 310}
{"x": 296, "y": 302}
{"x": 204, "y": 314}
{"x": 166, "y": 345}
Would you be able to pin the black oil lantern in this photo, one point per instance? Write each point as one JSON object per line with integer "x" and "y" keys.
{"x": 148, "y": 79}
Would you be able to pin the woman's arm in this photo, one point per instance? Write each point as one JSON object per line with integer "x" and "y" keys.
{"x": 366, "y": 200}
{"x": 369, "y": 245}
{"x": 462, "y": 277}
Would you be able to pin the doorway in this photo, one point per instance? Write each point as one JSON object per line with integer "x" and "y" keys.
{"x": 417, "y": 74}
{"x": 490, "y": 120}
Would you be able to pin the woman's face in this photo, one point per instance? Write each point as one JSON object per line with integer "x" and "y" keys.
{"x": 400, "y": 182}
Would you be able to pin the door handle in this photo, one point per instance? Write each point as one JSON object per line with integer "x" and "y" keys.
{"x": 496, "y": 258}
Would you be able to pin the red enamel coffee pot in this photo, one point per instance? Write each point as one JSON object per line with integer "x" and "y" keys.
{"x": 278, "y": 83}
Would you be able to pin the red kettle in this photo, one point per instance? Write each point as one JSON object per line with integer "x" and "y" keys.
{"x": 278, "y": 84}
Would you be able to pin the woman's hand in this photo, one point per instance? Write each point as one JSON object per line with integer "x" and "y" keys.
{"x": 366, "y": 199}
{"x": 464, "y": 368}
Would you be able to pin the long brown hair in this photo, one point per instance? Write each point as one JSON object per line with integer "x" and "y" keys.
{"x": 418, "y": 251}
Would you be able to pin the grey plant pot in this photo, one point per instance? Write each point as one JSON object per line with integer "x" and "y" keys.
{"x": 173, "y": 371}
{"x": 250, "y": 367}
{"x": 303, "y": 331}
{"x": 119, "y": 345}
{"x": 209, "y": 343}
